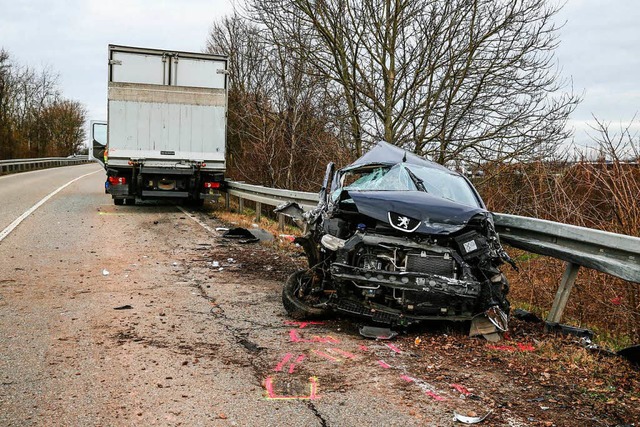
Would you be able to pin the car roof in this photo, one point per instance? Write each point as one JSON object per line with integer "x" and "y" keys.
{"x": 385, "y": 154}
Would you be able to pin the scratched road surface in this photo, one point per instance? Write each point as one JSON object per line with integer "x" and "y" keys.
{"x": 116, "y": 316}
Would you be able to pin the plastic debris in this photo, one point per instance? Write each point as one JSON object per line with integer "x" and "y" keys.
{"x": 215, "y": 264}
{"x": 377, "y": 333}
{"x": 245, "y": 241}
{"x": 525, "y": 315}
{"x": 238, "y": 233}
{"x": 567, "y": 330}
{"x": 469, "y": 420}
{"x": 632, "y": 354}
{"x": 105, "y": 272}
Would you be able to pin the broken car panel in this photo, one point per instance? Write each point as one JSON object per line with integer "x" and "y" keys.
{"x": 398, "y": 239}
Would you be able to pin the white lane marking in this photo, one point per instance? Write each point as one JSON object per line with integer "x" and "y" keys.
{"x": 202, "y": 224}
{"x": 4, "y": 233}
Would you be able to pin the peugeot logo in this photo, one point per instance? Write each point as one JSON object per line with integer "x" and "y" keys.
{"x": 403, "y": 222}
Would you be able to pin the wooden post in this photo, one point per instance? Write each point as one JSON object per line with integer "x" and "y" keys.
{"x": 258, "y": 211}
{"x": 562, "y": 296}
{"x": 281, "y": 222}
{"x": 241, "y": 205}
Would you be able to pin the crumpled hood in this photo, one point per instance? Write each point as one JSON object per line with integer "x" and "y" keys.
{"x": 436, "y": 215}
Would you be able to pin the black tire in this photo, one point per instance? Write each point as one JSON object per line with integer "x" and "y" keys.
{"x": 131, "y": 202}
{"x": 296, "y": 307}
{"x": 118, "y": 202}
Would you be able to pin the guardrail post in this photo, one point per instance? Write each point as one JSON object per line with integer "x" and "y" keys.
{"x": 281, "y": 222}
{"x": 241, "y": 205}
{"x": 227, "y": 201}
{"x": 258, "y": 211}
{"x": 562, "y": 296}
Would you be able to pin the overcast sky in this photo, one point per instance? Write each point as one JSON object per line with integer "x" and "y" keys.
{"x": 599, "y": 50}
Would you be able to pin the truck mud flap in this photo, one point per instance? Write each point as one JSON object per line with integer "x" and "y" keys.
{"x": 119, "y": 190}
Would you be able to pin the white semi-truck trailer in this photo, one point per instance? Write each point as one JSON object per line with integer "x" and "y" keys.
{"x": 166, "y": 125}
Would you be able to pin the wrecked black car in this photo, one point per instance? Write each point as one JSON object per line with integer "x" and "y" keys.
{"x": 399, "y": 239}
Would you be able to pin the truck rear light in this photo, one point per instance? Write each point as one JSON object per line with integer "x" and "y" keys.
{"x": 211, "y": 185}
{"x": 117, "y": 180}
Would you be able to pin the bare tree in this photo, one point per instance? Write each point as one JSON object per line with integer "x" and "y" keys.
{"x": 455, "y": 79}
{"x": 34, "y": 119}
{"x": 277, "y": 106}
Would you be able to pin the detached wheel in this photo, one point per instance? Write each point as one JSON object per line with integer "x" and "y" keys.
{"x": 296, "y": 298}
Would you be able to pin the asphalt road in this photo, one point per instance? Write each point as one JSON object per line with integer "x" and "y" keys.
{"x": 137, "y": 315}
{"x": 192, "y": 345}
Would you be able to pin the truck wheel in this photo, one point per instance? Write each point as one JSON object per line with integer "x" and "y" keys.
{"x": 295, "y": 297}
{"x": 131, "y": 202}
{"x": 118, "y": 202}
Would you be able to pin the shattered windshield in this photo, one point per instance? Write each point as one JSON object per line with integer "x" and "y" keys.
{"x": 410, "y": 177}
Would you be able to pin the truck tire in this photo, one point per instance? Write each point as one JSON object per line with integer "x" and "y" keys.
{"x": 131, "y": 202}
{"x": 296, "y": 306}
{"x": 118, "y": 202}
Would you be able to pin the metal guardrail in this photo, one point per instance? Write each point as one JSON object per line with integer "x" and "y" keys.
{"x": 611, "y": 253}
{"x": 22, "y": 165}
{"x": 271, "y": 196}
{"x": 615, "y": 254}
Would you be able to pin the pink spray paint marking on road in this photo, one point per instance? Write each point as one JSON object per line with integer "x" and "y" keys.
{"x": 407, "y": 378}
{"x": 363, "y": 347}
{"x": 424, "y": 386}
{"x": 271, "y": 395}
{"x": 299, "y": 360}
{"x": 342, "y": 353}
{"x": 284, "y": 360}
{"x": 301, "y": 325}
{"x": 435, "y": 396}
{"x": 383, "y": 364}
{"x": 461, "y": 389}
{"x": 326, "y": 356}
{"x": 294, "y": 337}
{"x": 394, "y": 348}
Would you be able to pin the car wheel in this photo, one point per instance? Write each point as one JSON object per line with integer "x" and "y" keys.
{"x": 294, "y": 296}
{"x": 118, "y": 202}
